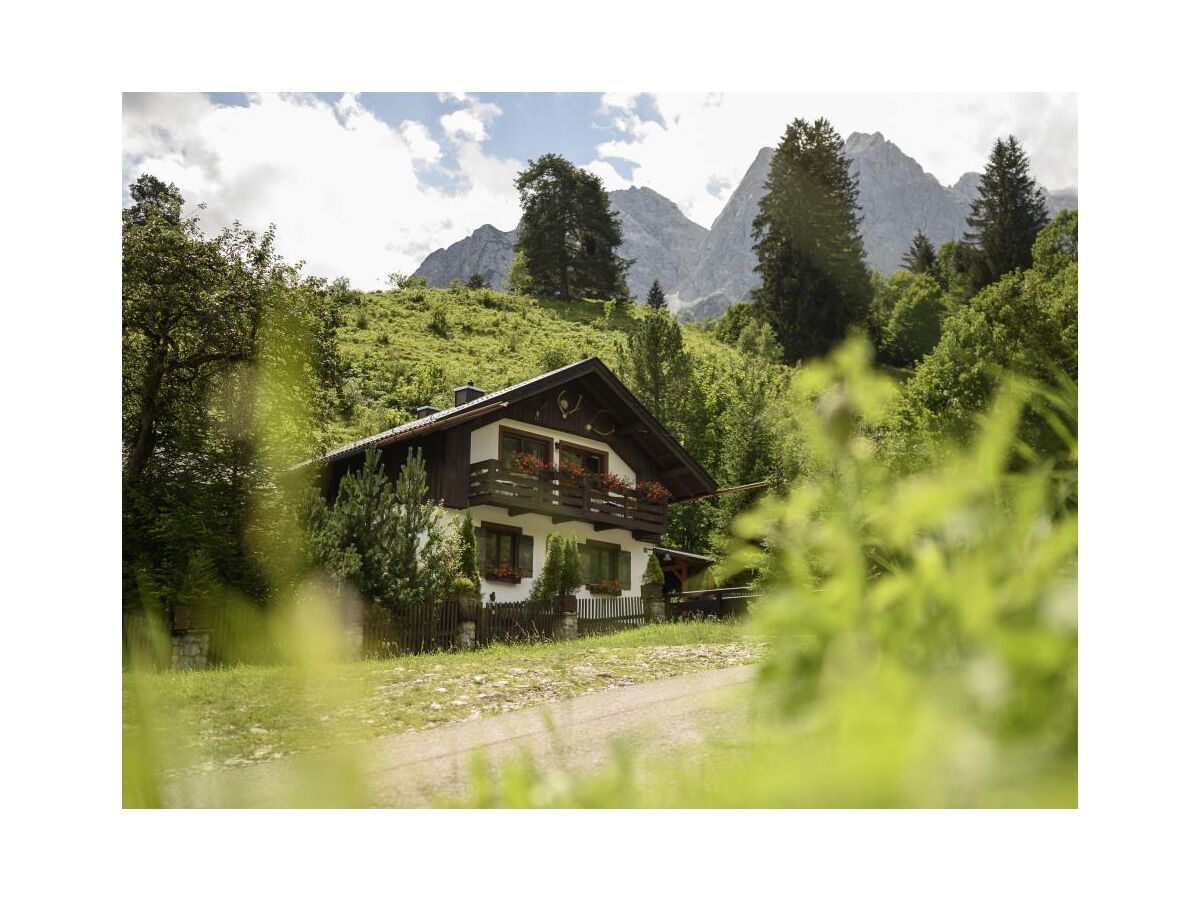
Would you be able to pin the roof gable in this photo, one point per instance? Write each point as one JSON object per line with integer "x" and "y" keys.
{"x": 584, "y": 398}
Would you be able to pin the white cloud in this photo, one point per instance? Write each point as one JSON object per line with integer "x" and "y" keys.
{"x": 420, "y": 142}
{"x": 709, "y": 140}
{"x": 341, "y": 184}
{"x": 471, "y": 122}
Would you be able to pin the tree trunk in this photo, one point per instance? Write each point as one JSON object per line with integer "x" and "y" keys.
{"x": 144, "y": 443}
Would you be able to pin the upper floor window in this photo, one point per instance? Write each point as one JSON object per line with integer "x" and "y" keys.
{"x": 513, "y": 443}
{"x": 593, "y": 461}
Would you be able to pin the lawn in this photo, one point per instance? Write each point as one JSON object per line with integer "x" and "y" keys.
{"x": 224, "y": 718}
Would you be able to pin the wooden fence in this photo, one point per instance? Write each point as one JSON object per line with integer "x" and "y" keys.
{"x": 600, "y": 615}
{"x": 514, "y": 622}
{"x": 720, "y": 603}
{"x": 417, "y": 628}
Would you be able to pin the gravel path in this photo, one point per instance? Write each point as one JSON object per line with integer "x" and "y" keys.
{"x": 423, "y": 768}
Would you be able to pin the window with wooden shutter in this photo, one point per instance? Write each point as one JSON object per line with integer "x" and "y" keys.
{"x": 624, "y": 565}
{"x": 505, "y": 554}
{"x": 525, "y": 556}
{"x": 606, "y": 567}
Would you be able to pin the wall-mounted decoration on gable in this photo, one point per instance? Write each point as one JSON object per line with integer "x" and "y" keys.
{"x": 602, "y": 423}
{"x": 564, "y": 404}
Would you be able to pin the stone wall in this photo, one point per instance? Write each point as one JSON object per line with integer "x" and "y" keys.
{"x": 189, "y": 650}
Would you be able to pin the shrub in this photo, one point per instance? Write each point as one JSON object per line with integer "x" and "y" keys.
{"x": 439, "y": 321}
{"x": 467, "y": 552}
{"x": 361, "y": 321}
{"x": 476, "y": 282}
{"x": 654, "y": 572}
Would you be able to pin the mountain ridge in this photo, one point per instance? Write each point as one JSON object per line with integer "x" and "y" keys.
{"x": 704, "y": 270}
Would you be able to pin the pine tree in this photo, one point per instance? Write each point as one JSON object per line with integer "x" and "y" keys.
{"x": 810, "y": 254}
{"x": 468, "y": 552}
{"x": 656, "y": 367}
{"x": 656, "y": 299}
{"x": 569, "y": 234}
{"x": 1008, "y": 213}
{"x": 921, "y": 258}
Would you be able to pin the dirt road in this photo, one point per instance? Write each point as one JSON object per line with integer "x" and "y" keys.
{"x": 423, "y": 768}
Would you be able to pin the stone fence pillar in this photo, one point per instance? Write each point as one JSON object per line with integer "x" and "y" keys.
{"x": 656, "y": 606}
{"x": 566, "y": 618}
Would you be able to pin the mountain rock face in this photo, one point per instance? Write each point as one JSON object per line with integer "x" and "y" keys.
{"x": 662, "y": 241}
{"x": 703, "y": 271}
{"x": 488, "y": 251}
{"x": 896, "y": 198}
{"x": 725, "y": 271}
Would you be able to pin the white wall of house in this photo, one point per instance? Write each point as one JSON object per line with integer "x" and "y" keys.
{"x": 485, "y": 444}
{"x": 540, "y": 527}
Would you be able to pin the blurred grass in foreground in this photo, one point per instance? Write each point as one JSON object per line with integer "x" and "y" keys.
{"x": 922, "y": 628}
{"x": 225, "y": 718}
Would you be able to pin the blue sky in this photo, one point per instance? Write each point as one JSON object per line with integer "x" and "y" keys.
{"x": 364, "y": 184}
{"x": 570, "y": 124}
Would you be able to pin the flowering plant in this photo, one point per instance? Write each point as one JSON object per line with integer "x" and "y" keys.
{"x": 612, "y": 482}
{"x": 652, "y": 490}
{"x": 503, "y": 572}
{"x": 607, "y": 586}
{"x": 527, "y": 464}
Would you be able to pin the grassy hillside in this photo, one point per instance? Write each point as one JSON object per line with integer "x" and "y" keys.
{"x": 411, "y": 347}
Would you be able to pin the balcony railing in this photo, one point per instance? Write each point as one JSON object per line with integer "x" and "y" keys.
{"x": 565, "y": 497}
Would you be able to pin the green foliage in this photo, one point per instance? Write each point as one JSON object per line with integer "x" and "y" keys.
{"x": 655, "y": 298}
{"x": 654, "y": 366}
{"x": 476, "y": 282}
{"x": 400, "y": 281}
{"x": 208, "y": 325}
{"x": 1025, "y": 324}
{"x": 915, "y": 324}
{"x": 654, "y": 572}
{"x": 1057, "y": 245}
{"x": 467, "y": 552}
{"x": 561, "y": 572}
{"x": 961, "y": 270}
{"x": 569, "y": 234}
{"x": 810, "y": 254}
{"x": 922, "y": 629}
{"x": 920, "y": 258}
{"x": 383, "y": 537}
{"x": 439, "y": 321}
{"x": 519, "y": 281}
{"x": 1008, "y": 213}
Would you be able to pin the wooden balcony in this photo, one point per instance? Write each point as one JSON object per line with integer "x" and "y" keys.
{"x": 565, "y": 498}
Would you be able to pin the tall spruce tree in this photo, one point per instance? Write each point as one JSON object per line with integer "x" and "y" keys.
{"x": 569, "y": 234}
{"x": 657, "y": 368}
{"x": 655, "y": 298}
{"x": 810, "y": 253}
{"x": 1008, "y": 213}
{"x": 921, "y": 258}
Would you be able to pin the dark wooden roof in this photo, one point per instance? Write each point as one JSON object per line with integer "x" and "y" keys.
{"x": 682, "y": 474}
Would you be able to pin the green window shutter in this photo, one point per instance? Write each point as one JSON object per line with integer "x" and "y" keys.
{"x": 481, "y": 546}
{"x": 624, "y": 561}
{"x": 525, "y": 563}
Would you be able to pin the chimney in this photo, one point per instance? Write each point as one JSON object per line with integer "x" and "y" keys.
{"x": 423, "y": 411}
{"x": 467, "y": 393}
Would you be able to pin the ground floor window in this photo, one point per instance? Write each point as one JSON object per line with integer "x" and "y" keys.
{"x": 505, "y": 553}
{"x": 606, "y": 567}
